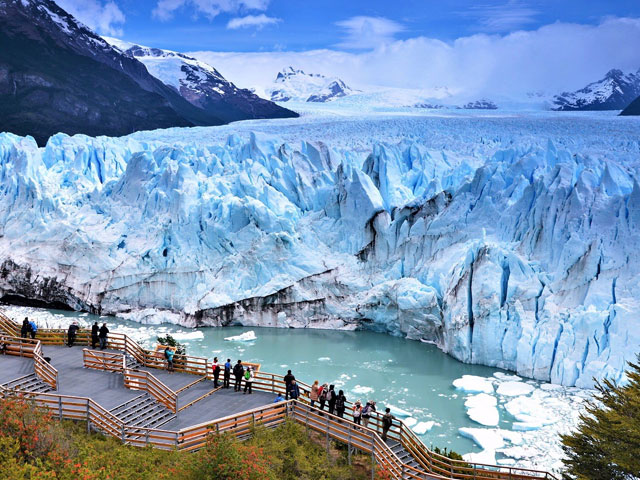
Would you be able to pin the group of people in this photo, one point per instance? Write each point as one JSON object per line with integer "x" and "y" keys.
{"x": 325, "y": 395}
{"x": 99, "y": 335}
{"x": 28, "y": 328}
{"x": 240, "y": 374}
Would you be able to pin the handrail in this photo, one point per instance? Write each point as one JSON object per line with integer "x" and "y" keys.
{"x": 99, "y": 360}
{"x": 45, "y": 371}
{"x": 271, "y": 383}
{"x": 142, "y": 380}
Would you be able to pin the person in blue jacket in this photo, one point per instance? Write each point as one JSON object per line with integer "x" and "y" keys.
{"x": 34, "y": 328}
{"x": 168, "y": 354}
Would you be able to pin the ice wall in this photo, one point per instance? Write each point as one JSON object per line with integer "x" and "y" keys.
{"x": 523, "y": 259}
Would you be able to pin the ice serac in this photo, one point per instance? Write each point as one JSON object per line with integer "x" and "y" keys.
{"x": 522, "y": 259}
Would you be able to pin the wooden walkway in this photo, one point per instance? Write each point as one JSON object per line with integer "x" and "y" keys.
{"x": 126, "y": 392}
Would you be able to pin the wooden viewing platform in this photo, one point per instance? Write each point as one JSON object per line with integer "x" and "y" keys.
{"x": 126, "y": 392}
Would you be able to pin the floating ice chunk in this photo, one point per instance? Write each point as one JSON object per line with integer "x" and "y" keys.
{"x": 481, "y": 400}
{"x": 551, "y": 387}
{"x": 486, "y": 415}
{"x": 243, "y": 337}
{"x": 514, "y": 438}
{"x": 423, "y": 427}
{"x": 410, "y": 422}
{"x": 487, "y": 439}
{"x": 324, "y": 359}
{"x": 398, "y": 412}
{"x": 519, "y": 452}
{"x": 474, "y": 384}
{"x": 530, "y": 413}
{"x": 362, "y": 390}
{"x": 507, "y": 462}
{"x": 506, "y": 377}
{"x": 526, "y": 426}
{"x": 197, "y": 335}
{"x": 486, "y": 456}
{"x": 515, "y": 389}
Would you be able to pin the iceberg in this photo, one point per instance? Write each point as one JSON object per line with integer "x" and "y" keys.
{"x": 484, "y": 415}
{"x": 243, "y": 337}
{"x": 398, "y": 412}
{"x": 481, "y": 400}
{"x": 473, "y": 384}
{"x": 423, "y": 427}
{"x": 514, "y": 389}
{"x": 508, "y": 242}
{"x": 486, "y": 439}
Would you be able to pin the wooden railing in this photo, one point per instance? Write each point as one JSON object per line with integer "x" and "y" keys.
{"x": 30, "y": 348}
{"x": 100, "y": 360}
{"x": 438, "y": 465}
{"x": 142, "y": 380}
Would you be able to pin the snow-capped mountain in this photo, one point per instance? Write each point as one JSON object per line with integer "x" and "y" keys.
{"x": 482, "y": 104}
{"x": 66, "y": 78}
{"x": 296, "y": 85}
{"x": 614, "y": 92}
{"x": 511, "y": 242}
{"x": 201, "y": 84}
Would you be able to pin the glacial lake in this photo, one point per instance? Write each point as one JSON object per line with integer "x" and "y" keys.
{"x": 407, "y": 374}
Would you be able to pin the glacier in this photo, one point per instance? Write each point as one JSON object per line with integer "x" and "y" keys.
{"x": 506, "y": 240}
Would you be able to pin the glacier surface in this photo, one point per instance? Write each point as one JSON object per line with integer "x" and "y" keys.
{"x": 506, "y": 240}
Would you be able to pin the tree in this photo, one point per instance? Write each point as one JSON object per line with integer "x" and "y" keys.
{"x": 606, "y": 445}
{"x": 169, "y": 341}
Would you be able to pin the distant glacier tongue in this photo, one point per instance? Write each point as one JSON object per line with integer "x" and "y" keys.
{"x": 524, "y": 259}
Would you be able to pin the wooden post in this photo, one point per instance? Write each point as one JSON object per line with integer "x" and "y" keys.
{"x": 327, "y": 436}
{"x": 123, "y": 434}
{"x": 88, "y": 418}
{"x": 373, "y": 456}
{"x": 60, "y": 407}
{"x": 176, "y": 440}
{"x": 146, "y": 437}
{"x": 349, "y": 447}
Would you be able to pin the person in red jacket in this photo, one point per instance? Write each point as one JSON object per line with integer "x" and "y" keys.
{"x": 216, "y": 372}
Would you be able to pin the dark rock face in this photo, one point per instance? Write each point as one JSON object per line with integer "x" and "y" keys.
{"x": 614, "y": 92}
{"x": 58, "y": 76}
{"x": 633, "y": 108}
{"x": 480, "y": 105}
{"x": 335, "y": 89}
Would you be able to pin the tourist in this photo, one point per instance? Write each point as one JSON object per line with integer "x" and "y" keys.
{"x": 279, "y": 398}
{"x": 248, "y": 380}
{"x": 168, "y": 355}
{"x": 227, "y": 373}
{"x": 238, "y": 371}
{"x": 216, "y": 372}
{"x": 288, "y": 378}
{"x": 294, "y": 390}
{"x": 357, "y": 412}
{"x": 331, "y": 399}
{"x": 34, "y": 329}
{"x": 25, "y": 329}
{"x": 387, "y": 421}
{"x": 341, "y": 401}
{"x": 322, "y": 395}
{"x": 368, "y": 409}
{"x": 94, "y": 334}
{"x": 313, "y": 394}
{"x": 3, "y": 346}
{"x": 71, "y": 333}
{"x": 102, "y": 336}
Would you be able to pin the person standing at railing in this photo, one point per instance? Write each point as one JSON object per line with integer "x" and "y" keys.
{"x": 279, "y": 398}
{"x": 71, "y": 333}
{"x": 25, "y": 330}
{"x": 387, "y": 421}
{"x": 238, "y": 372}
{"x": 168, "y": 354}
{"x": 357, "y": 412}
{"x": 34, "y": 329}
{"x": 227, "y": 373}
{"x": 294, "y": 390}
{"x": 288, "y": 378}
{"x": 102, "y": 336}
{"x": 322, "y": 395}
{"x": 331, "y": 399}
{"x": 368, "y": 409}
{"x": 216, "y": 372}
{"x": 94, "y": 334}
{"x": 248, "y": 380}
{"x": 313, "y": 394}
{"x": 341, "y": 401}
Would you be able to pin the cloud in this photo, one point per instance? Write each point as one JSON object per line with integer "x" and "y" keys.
{"x": 510, "y": 16}
{"x": 367, "y": 32}
{"x": 552, "y": 58}
{"x": 257, "y": 21}
{"x": 106, "y": 19}
{"x": 165, "y": 9}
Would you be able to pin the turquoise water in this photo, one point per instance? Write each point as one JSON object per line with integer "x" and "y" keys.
{"x": 411, "y": 375}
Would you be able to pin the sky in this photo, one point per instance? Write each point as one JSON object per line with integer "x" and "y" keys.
{"x": 483, "y": 45}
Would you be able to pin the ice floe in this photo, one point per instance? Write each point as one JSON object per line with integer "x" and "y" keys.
{"x": 243, "y": 337}
{"x": 473, "y": 384}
